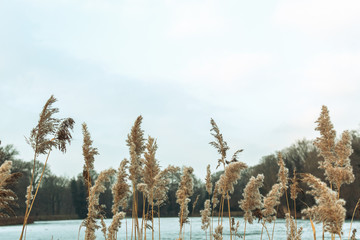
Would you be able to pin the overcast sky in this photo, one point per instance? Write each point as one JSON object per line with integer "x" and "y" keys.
{"x": 261, "y": 69}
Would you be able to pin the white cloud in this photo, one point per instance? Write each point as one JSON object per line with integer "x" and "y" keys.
{"x": 196, "y": 19}
{"x": 333, "y": 74}
{"x": 323, "y": 18}
{"x": 225, "y": 70}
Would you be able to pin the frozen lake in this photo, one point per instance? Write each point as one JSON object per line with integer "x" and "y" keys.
{"x": 68, "y": 229}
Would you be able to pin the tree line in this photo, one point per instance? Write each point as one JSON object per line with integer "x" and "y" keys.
{"x": 64, "y": 198}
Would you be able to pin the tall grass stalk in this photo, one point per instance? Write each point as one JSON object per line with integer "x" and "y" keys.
{"x": 50, "y": 132}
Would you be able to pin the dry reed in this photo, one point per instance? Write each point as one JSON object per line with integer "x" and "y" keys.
{"x": 115, "y": 225}
{"x": 95, "y": 209}
{"x": 283, "y": 175}
{"x": 49, "y": 133}
{"x": 161, "y": 188}
{"x": 136, "y": 145}
{"x": 218, "y": 235}
{"x": 252, "y": 197}
{"x": 353, "y": 237}
{"x": 294, "y": 190}
{"x": 183, "y": 194}
{"x": 89, "y": 153}
{"x": 291, "y": 231}
{"x": 328, "y": 210}
{"x": 271, "y": 200}
{"x": 8, "y": 197}
{"x": 208, "y": 182}
{"x": 205, "y": 215}
{"x": 150, "y": 170}
{"x": 146, "y": 177}
{"x": 336, "y": 162}
{"x": 121, "y": 190}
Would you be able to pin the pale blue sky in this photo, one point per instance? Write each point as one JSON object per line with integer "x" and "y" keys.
{"x": 261, "y": 69}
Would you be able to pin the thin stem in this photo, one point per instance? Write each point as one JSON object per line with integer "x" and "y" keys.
{"x": 132, "y": 216}
{"x": 352, "y": 219}
{"x": 295, "y": 213}
{"x": 132, "y": 225}
{"x": 152, "y": 220}
{"x": 31, "y": 184}
{"x": 287, "y": 202}
{"x": 229, "y": 215}
{"x": 245, "y": 229}
{"x": 263, "y": 223}
{"x": 190, "y": 228}
{"x": 143, "y": 220}
{"x": 181, "y": 219}
{"x": 212, "y": 222}
{"x": 222, "y": 209}
{"x": 159, "y": 219}
{"x": 37, "y": 188}
{"x": 135, "y": 221}
{"x": 272, "y": 234}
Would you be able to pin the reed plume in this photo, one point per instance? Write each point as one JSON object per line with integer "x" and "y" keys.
{"x": 215, "y": 200}
{"x": 49, "y": 133}
{"x": 29, "y": 194}
{"x": 294, "y": 190}
{"x": 342, "y": 171}
{"x": 353, "y": 237}
{"x": 94, "y": 207}
{"x": 236, "y": 228}
{"x": 230, "y": 177}
{"x": 162, "y": 184}
{"x": 252, "y": 197}
{"x": 161, "y": 188}
{"x": 218, "y": 233}
{"x": 8, "y": 197}
{"x": 271, "y": 200}
{"x": 336, "y": 162}
{"x": 209, "y": 189}
{"x": 135, "y": 142}
{"x": 120, "y": 190}
{"x": 221, "y": 146}
{"x": 328, "y": 210}
{"x": 115, "y": 225}
{"x": 41, "y": 136}
{"x": 103, "y": 226}
{"x": 89, "y": 153}
{"x": 294, "y": 186}
{"x": 291, "y": 231}
{"x": 208, "y": 182}
{"x": 205, "y": 215}
{"x": 219, "y": 143}
{"x": 283, "y": 175}
{"x": 150, "y": 170}
{"x": 224, "y": 186}
{"x": 183, "y": 194}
